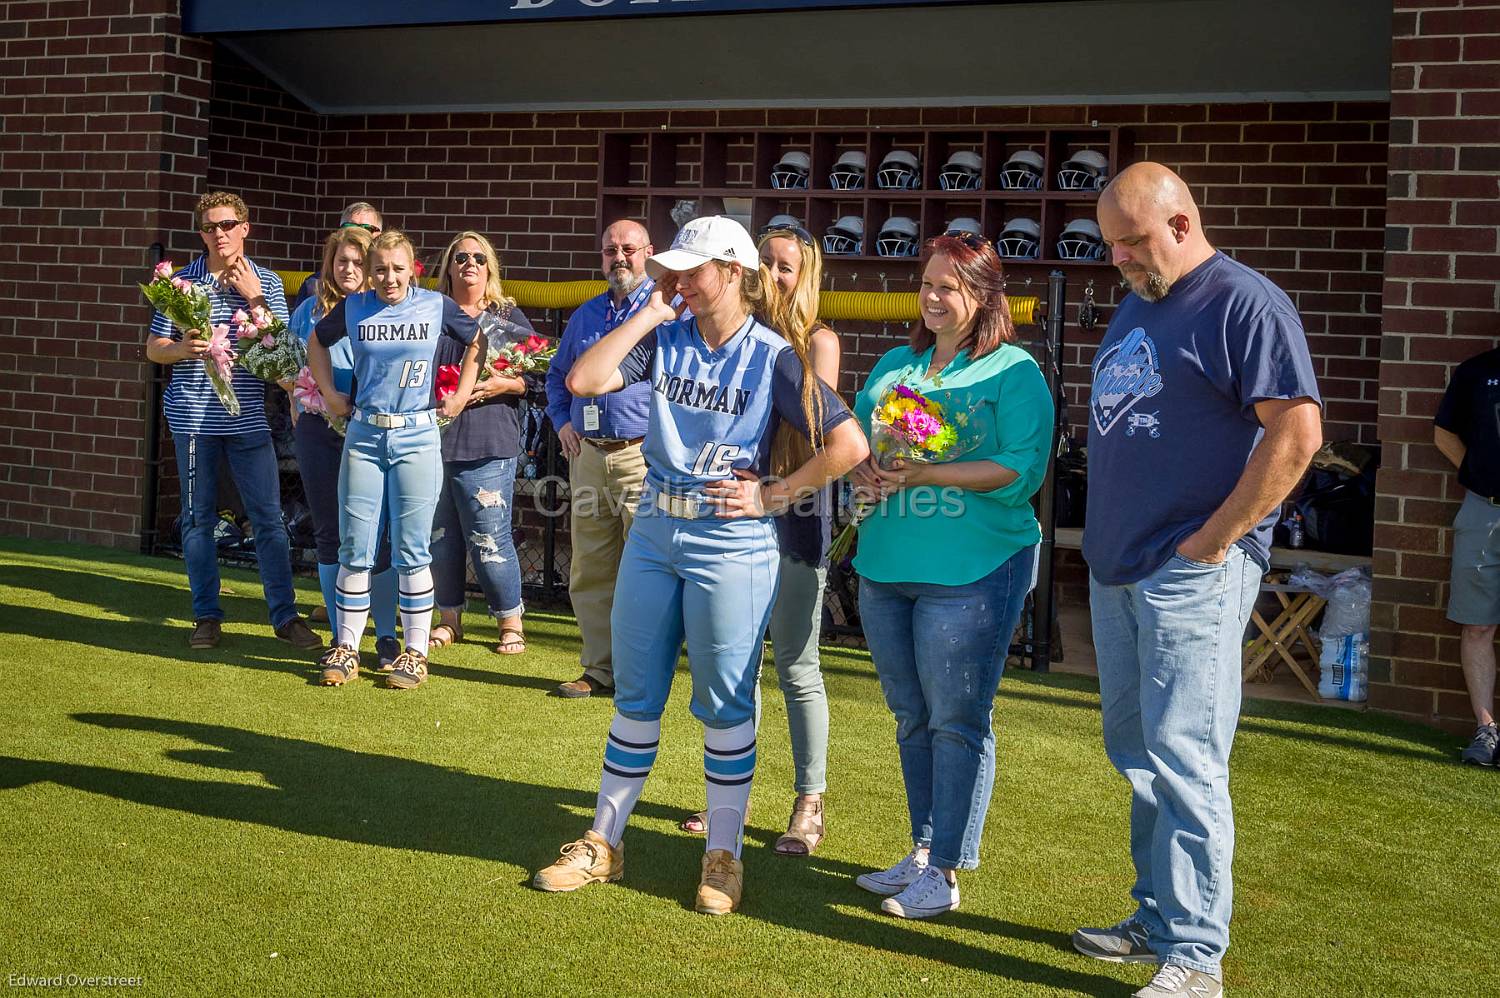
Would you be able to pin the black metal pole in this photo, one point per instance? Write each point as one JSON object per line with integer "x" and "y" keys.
{"x": 1044, "y": 602}
{"x": 151, "y": 488}
{"x": 549, "y": 493}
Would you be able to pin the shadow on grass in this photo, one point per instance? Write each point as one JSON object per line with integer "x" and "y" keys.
{"x": 400, "y": 803}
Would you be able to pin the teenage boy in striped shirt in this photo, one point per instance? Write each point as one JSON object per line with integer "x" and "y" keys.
{"x": 205, "y": 434}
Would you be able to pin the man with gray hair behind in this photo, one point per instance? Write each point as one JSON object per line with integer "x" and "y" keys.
{"x": 360, "y": 214}
{"x": 1177, "y": 537}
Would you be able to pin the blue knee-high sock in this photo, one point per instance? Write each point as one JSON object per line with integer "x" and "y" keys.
{"x": 328, "y": 577}
{"x": 629, "y": 753}
{"x": 728, "y": 768}
{"x": 383, "y": 603}
{"x": 416, "y": 599}
{"x": 354, "y": 606}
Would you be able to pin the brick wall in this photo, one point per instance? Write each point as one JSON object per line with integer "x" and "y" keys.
{"x": 263, "y": 144}
{"x": 102, "y": 146}
{"x": 1442, "y": 272}
{"x": 1296, "y": 190}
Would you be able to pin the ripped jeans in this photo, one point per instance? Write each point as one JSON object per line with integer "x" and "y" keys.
{"x": 473, "y": 517}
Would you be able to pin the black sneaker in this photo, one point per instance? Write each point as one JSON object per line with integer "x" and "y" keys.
{"x": 1484, "y": 750}
{"x": 206, "y": 633}
{"x": 388, "y": 649}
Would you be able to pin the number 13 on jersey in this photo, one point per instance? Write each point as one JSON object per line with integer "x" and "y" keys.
{"x": 715, "y": 460}
{"x": 413, "y": 373}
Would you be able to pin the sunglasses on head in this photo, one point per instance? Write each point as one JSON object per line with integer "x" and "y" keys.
{"x": 373, "y": 230}
{"x": 223, "y": 226}
{"x": 969, "y": 239}
{"x": 790, "y": 230}
{"x": 462, "y": 258}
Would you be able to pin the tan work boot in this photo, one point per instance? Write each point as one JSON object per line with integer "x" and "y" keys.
{"x": 722, "y": 883}
{"x": 589, "y": 860}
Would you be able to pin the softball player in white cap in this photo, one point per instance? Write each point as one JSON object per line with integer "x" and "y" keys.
{"x": 701, "y": 562}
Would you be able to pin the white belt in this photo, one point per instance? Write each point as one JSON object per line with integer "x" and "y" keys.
{"x": 392, "y": 421}
{"x": 682, "y": 507}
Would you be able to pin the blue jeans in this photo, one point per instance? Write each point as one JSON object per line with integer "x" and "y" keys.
{"x": 1169, "y": 651}
{"x": 939, "y": 652}
{"x": 473, "y": 517}
{"x": 252, "y": 463}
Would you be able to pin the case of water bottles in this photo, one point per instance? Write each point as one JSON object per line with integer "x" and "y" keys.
{"x": 1344, "y": 663}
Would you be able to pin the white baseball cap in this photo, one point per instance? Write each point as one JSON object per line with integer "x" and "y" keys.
{"x": 712, "y": 237}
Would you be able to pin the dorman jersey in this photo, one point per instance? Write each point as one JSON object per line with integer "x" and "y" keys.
{"x": 716, "y": 411}
{"x": 395, "y": 346}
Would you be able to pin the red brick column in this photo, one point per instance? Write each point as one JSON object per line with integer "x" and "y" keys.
{"x": 1441, "y": 299}
{"x": 104, "y": 141}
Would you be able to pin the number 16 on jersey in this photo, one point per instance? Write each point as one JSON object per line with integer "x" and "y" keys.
{"x": 715, "y": 460}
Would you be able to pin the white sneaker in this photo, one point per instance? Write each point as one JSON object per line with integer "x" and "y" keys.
{"x": 931, "y": 894}
{"x": 897, "y": 878}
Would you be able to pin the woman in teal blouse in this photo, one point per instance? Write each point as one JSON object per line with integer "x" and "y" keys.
{"x": 947, "y": 558}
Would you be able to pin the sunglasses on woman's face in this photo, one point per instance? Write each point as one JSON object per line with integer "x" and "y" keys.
{"x": 462, "y": 258}
{"x": 223, "y": 226}
{"x": 373, "y": 230}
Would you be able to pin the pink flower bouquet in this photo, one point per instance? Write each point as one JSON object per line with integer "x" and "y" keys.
{"x": 188, "y": 307}
{"x": 267, "y": 348}
{"x": 306, "y": 393}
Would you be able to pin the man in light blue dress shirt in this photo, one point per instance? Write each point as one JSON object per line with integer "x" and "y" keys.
{"x": 601, "y": 438}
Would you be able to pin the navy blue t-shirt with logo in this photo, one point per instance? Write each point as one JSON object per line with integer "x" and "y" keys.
{"x": 1172, "y": 412}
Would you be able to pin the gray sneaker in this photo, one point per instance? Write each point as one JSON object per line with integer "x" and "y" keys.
{"x": 1484, "y": 750}
{"x": 1175, "y": 981}
{"x": 1124, "y": 942}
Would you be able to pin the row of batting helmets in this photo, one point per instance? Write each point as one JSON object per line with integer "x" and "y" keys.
{"x": 901, "y": 170}
{"x": 1021, "y": 239}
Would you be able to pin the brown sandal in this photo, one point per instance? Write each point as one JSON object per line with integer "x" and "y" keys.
{"x": 697, "y": 822}
{"x": 805, "y": 829}
{"x": 512, "y": 641}
{"x": 445, "y": 634}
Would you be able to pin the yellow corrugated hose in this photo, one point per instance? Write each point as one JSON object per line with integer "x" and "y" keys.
{"x": 859, "y": 306}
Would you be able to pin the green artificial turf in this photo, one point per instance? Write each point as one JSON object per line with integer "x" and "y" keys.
{"x": 215, "y": 824}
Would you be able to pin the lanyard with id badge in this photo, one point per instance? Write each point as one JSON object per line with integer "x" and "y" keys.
{"x": 591, "y": 417}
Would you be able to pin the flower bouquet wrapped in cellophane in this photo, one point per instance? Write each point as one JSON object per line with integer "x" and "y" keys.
{"x": 907, "y": 426}
{"x": 267, "y": 348}
{"x": 188, "y": 307}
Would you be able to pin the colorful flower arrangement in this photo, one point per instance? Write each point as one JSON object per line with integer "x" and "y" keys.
{"x": 906, "y": 426}
{"x": 188, "y": 307}
{"x": 306, "y": 393}
{"x": 532, "y": 355}
{"x": 267, "y": 348}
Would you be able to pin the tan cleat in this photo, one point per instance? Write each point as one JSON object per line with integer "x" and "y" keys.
{"x": 722, "y": 884}
{"x": 589, "y": 860}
